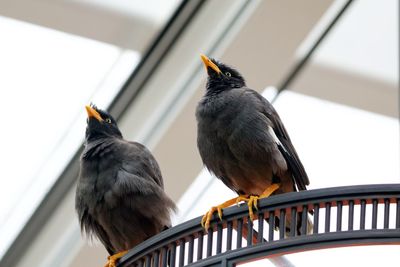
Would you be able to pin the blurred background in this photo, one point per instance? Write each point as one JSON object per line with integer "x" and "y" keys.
{"x": 140, "y": 60}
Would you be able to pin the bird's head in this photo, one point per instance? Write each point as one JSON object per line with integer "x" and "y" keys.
{"x": 100, "y": 124}
{"x": 220, "y": 76}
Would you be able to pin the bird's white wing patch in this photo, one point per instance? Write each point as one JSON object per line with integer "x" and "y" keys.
{"x": 276, "y": 139}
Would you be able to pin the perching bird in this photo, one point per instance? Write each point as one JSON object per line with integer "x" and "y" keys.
{"x": 243, "y": 142}
{"x": 119, "y": 197}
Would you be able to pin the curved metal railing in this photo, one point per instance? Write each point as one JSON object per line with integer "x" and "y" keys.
{"x": 341, "y": 216}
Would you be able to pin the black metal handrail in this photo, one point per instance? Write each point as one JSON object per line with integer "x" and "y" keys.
{"x": 362, "y": 214}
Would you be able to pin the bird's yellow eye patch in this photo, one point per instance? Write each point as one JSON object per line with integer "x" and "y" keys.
{"x": 108, "y": 120}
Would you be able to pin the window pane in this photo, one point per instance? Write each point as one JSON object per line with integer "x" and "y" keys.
{"x": 48, "y": 76}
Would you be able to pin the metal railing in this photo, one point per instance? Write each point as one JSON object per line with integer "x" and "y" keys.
{"x": 341, "y": 216}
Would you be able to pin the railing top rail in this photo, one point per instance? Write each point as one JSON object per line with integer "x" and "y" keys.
{"x": 193, "y": 227}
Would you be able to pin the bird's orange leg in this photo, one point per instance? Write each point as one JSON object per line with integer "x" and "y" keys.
{"x": 205, "y": 221}
{"x": 270, "y": 189}
{"x": 253, "y": 200}
{"x": 112, "y": 260}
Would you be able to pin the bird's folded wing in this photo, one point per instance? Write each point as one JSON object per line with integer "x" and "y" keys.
{"x": 287, "y": 149}
{"x": 150, "y": 164}
{"x": 142, "y": 194}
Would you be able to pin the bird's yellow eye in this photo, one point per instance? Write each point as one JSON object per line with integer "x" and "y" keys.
{"x": 228, "y": 74}
{"x": 108, "y": 120}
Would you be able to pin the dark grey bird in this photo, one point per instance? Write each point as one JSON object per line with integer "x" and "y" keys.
{"x": 119, "y": 197}
{"x": 243, "y": 142}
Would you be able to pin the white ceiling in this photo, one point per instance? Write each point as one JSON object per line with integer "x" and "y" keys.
{"x": 364, "y": 42}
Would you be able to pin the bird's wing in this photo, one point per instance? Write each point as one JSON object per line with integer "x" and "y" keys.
{"x": 136, "y": 203}
{"x": 139, "y": 182}
{"x": 149, "y": 162}
{"x": 284, "y": 143}
{"x": 143, "y": 196}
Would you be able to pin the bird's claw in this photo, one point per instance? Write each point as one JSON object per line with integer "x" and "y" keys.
{"x": 112, "y": 260}
{"x": 252, "y": 202}
{"x": 205, "y": 221}
{"x": 242, "y": 198}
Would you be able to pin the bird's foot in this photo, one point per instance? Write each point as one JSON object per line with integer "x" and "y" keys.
{"x": 112, "y": 260}
{"x": 205, "y": 221}
{"x": 244, "y": 198}
{"x": 253, "y": 200}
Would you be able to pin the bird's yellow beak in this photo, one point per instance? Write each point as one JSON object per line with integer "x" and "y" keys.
{"x": 208, "y": 63}
{"x": 93, "y": 113}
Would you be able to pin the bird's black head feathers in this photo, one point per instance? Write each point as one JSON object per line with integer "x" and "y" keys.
{"x": 100, "y": 124}
{"x": 221, "y": 77}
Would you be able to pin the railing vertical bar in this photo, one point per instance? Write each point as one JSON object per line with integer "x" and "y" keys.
{"x": 139, "y": 263}
{"x": 327, "y": 217}
{"x": 172, "y": 255}
{"x": 316, "y": 219}
{"x": 304, "y": 221}
{"x": 339, "y": 216}
{"x": 239, "y": 233}
{"x": 386, "y": 215}
{"x": 293, "y": 221}
{"x": 219, "y": 238}
{"x": 260, "y": 234}
{"x": 164, "y": 253}
{"x": 148, "y": 261}
{"x": 362, "y": 215}
{"x": 398, "y": 214}
{"x": 224, "y": 263}
{"x": 209, "y": 241}
{"x": 191, "y": 249}
{"x": 200, "y": 245}
{"x": 351, "y": 215}
{"x": 249, "y": 231}
{"x": 229, "y": 229}
{"x": 181, "y": 252}
{"x": 156, "y": 258}
{"x": 271, "y": 222}
{"x": 282, "y": 228}
{"x": 374, "y": 213}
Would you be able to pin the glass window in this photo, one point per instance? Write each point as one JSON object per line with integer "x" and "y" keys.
{"x": 48, "y": 76}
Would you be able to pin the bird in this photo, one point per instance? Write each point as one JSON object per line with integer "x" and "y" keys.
{"x": 120, "y": 197}
{"x": 243, "y": 142}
